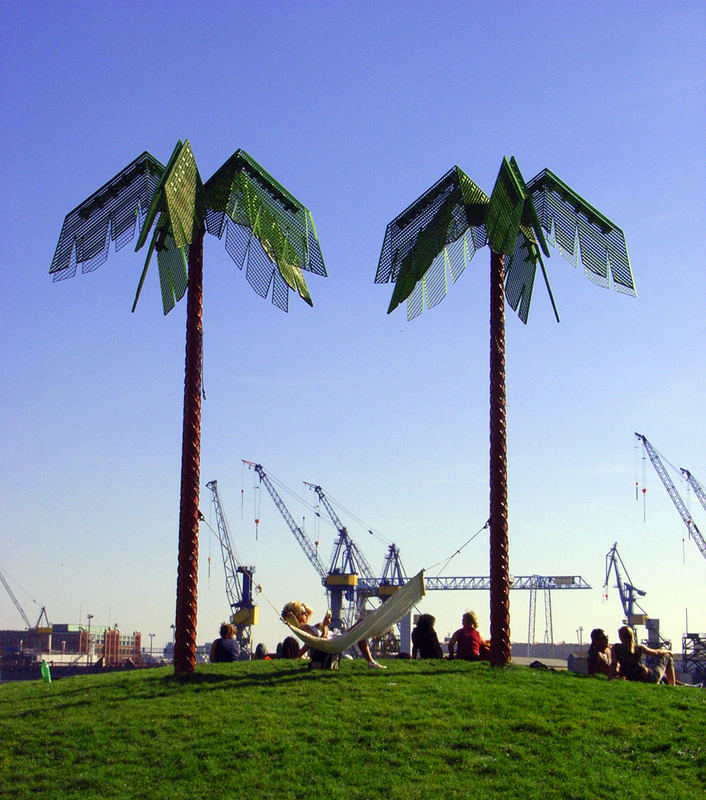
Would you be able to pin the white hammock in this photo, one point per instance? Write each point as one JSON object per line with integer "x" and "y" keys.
{"x": 374, "y": 624}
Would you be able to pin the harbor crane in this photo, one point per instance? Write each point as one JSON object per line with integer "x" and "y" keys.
{"x": 243, "y": 612}
{"x": 16, "y": 601}
{"x": 347, "y": 557}
{"x": 37, "y": 628}
{"x": 338, "y": 583}
{"x": 660, "y": 469}
{"x": 699, "y": 490}
{"x": 634, "y": 613}
{"x": 350, "y": 574}
{"x": 626, "y": 590}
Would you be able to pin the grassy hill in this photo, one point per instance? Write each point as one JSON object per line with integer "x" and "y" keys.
{"x": 417, "y": 730}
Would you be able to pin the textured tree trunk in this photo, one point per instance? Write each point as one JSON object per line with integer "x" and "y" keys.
{"x": 187, "y": 571}
{"x": 499, "y": 562}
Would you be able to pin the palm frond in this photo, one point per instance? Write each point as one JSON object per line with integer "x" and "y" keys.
{"x": 431, "y": 241}
{"x": 520, "y": 270}
{"x": 267, "y": 229}
{"x": 582, "y": 232}
{"x": 109, "y": 215}
{"x": 176, "y": 212}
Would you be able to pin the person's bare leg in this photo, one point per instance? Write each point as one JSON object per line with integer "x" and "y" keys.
{"x": 368, "y": 656}
{"x": 365, "y": 650}
{"x": 669, "y": 675}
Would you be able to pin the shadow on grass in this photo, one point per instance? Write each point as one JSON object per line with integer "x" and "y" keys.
{"x": 299, "y": 672}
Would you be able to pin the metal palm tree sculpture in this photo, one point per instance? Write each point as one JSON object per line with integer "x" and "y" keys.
{"x": 430, "y": 244}
{"x": 266, "y": 230}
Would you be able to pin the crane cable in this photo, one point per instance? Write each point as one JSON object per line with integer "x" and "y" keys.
{"x": 358, "y": 520}
{"x": 456, "y": 552}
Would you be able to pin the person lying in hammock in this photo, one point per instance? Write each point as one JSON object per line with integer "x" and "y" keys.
{"x": 300, "y": 614}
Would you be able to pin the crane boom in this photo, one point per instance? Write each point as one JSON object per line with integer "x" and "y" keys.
{"x": 304, "y": 541}
{"x": 15, "y": 600}
{"x": 238, "y": 598}
{"x": 691, "y": 526}
{"x": 696, "y": 486}
{"x": 345, "y": 550}
{"x": 627, "y": 591}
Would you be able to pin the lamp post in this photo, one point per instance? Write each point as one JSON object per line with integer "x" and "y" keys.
{"x": 151, "y": 638}
{"x": 89, "y": 617}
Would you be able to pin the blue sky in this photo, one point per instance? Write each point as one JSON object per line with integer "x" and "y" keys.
{"x": 356, "y": 108}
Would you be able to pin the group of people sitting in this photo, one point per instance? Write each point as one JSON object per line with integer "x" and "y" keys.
{"x": 466, "y": 643}
{"x": 624, "y": 659}
{"x": 621, "y": 660}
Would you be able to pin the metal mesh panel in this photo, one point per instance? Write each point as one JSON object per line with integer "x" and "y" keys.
{"x": 259, "y": 268}
{"x": 430, "y": 242}
{"x": 448, "y": 265}
{"x": 520, "y": 269}
{"x": 579, "y": 230}
{"x": 242, "y": 195}
{"x": 620, "y": 263}
{"x": 237, "y": 241}
{"x": 280, "y": 291}
{"x": 183, "y": 193}
{"x": 108, "y": 214}
{"x": 505, "y": 210}
{"x": 173, "y": 278}
{"x": 403, "y": 233}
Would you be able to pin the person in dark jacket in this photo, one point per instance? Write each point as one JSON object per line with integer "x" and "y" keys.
{"x": 226, "y": 648}
{"x": 599, "y": 653}
{"x": 425, "y": 642}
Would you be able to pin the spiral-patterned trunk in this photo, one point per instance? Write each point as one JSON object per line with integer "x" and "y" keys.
{"x": 187, "y": 571}
{"x": 499, "y": 562}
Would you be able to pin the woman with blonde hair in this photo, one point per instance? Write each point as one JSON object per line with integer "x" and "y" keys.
{"x": 300, "y": 614}
{"x": 626, "y": 661}
{"x": 467, "y": 639}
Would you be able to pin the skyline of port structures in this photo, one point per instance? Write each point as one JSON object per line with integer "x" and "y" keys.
{"x": 356, "y": 110}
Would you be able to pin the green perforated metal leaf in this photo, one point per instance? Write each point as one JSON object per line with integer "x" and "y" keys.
{"x": 110, "y": 214}
{"x": 431, "y": 241}
{"x": 422, "y": 251}
{"x": 266, "y": 229}
{"x": 579, "y": 230}
{"x": 183, "y": 192}
{"x": 173, "y": 278}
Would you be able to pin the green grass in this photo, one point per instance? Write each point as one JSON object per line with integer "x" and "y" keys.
{"x": 417, "y": 730}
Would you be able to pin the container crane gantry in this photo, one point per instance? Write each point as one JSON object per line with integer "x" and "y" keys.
{"x": 660, "y": 469}
{"x": 243, "y": 612}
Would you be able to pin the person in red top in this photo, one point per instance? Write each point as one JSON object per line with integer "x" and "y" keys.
{"x": 467, "y": 640}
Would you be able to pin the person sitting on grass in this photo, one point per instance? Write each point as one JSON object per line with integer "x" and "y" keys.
{"x": 425, "y": 642}
{"x": 626, "y": 661}
{"x": 289, "y": 648}
{"x": 226, "y": 648}
{"x": 599, "y": 654}
{"x": 300, "y": 614}
{"x": 467, "y": 643}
